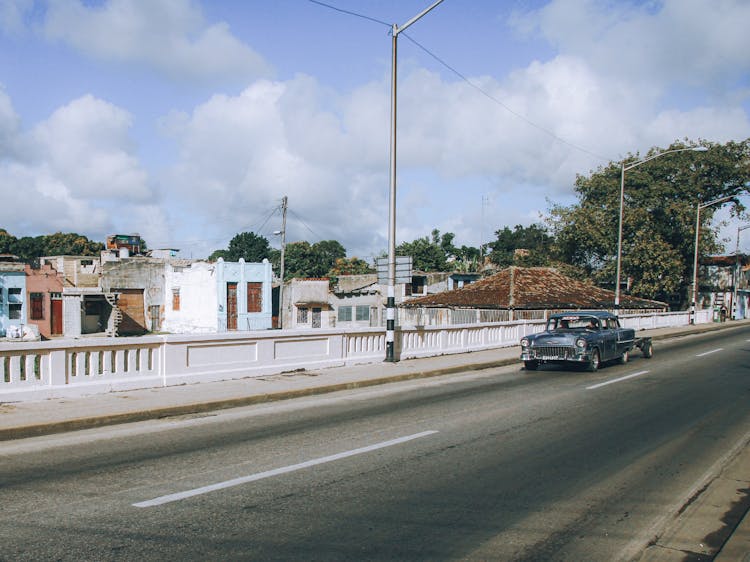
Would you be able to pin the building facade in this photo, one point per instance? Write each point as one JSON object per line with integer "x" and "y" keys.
{"x": 44, "y": 289}
{"x": 218, "y": 297}
{"x": 13, "y": 304}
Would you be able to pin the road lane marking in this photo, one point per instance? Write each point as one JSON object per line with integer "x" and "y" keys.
{"x": 710, "y": 352}
{"x": 161, "y": 500}
{"x": 613, "y": 381}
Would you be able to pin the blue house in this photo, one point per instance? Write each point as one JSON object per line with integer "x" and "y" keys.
{"x": 12, "y": 296}
{"x": 244, "y": 295}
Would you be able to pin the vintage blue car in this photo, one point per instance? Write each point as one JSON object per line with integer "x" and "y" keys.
{"x": 587, "y": 338}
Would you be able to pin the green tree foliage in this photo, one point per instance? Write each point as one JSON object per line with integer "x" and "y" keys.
{"x": 29, "y": 248}
{"x": 525, "y": 246}
{"x": 428, "y": 254}
{"x": 350, "y": 266}
{"x": 302, "y": 259}
{"x": 661, "y": 197}
{"x": 246, "y": 245}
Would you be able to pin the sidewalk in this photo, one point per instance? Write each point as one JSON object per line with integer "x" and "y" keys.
{"x": 27, "y": 419}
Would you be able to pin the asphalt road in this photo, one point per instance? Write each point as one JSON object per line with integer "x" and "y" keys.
{"x": 494, "y": 465}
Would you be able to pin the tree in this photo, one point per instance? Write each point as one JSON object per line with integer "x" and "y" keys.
{"x": 30, "y": 248}
{"x": 350, "y": 266}
{"x": 526, "y": 246}
{"x": 429, "y": 254}
{"x": 246, "y": 245}
{"x": 302, "y": 259}
{"x": 661, "y": 196}
{"x": 71, "y": 244}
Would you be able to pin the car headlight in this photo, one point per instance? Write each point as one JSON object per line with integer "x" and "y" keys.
{"x": 525, "y": 342}
{"x": 581, "y": 343}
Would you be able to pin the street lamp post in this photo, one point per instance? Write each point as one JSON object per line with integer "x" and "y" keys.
{"x": 735, "y": 311}
{"x": 622, "y": 204}
{"x": 391, "y": 299}
{"x": 698, "y": 208}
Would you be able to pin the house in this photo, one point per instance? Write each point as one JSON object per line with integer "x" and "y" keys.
{"x": 86, "y": 308}
{"x": 44, "y": 288}
{"x": 724, "y": 285}
{"x": 13, "y": 305}
{"x": 217, "y": 297}
{"x": 126, "y": 244}
{"x": 526, "y": 289}
{"x": 138, "y": 284}
{"x": 356, "y": 301}
{"x": 306, "y": 304}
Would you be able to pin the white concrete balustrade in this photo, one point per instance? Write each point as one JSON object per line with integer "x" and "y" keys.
{"x": 59, "y": 368}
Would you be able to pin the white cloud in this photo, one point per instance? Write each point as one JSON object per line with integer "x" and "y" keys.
{"x": 691, "y": 43}
{"x": 12, "y": 14}
{"x": 607, "y": 91}
{"x": 239, "y": 155}
{"x": 76, "y": 172}
{"x": 9, "y": 123}
{"x": 169, "y": 35}
{"x": 86, "y": 145}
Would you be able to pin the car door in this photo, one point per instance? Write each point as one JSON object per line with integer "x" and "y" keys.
{"x": 609, "y": 339}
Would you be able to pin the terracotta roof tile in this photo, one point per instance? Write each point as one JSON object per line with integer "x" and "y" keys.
{"x": 530, "y": 288}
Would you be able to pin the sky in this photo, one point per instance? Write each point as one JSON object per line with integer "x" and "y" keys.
{"x": 187, "y": 121}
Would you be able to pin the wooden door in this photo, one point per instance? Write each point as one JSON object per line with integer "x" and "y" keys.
{"x": 56, "y": 315}
{"x": 130, "y": 303}
{"x": 231, "y": 306}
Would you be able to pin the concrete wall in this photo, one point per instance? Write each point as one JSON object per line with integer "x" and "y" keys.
{"x": 77, "y": 271}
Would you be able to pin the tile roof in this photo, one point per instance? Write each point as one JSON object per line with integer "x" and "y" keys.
{"x": 530, "y": 288}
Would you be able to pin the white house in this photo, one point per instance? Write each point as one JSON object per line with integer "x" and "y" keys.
{"x": 218, "y": 297}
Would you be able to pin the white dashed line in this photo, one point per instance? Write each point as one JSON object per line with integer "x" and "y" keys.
{"x": 277, "y": 471}
{"x": 710, "y": 352}
{"x": 638, "y": 374}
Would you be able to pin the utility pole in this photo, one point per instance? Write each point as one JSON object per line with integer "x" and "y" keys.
{"x": 390, "y": 307}
{"x": 281, "y": 265}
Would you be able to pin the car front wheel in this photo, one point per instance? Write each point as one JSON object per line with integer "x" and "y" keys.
{"x": 595, "y": 360}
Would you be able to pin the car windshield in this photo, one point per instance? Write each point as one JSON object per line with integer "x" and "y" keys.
{"x": 573, "y": 322}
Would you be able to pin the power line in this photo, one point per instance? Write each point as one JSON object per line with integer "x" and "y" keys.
{"x": 318, "y": 236}
{"x": 501, "y": 104}
{"x": 470, "y": 83}
{"x": 250, "y": 228}
{"x": 349, "y": 13}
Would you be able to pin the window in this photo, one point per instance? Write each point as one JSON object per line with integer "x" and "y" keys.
{"x": 302, "y": 315}
{"x": 37, "y": 306}
{"x": 14, "y": 294}
{"x": 175, "y": 299}
{"x": 345, "y": 314}
{"x": 363, "y": 313}
{"x": 14, "y": 311}
{"x": 254, "y": 297}
{"x": 417, "y": 285}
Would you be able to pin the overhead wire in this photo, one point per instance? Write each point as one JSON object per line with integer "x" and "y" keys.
{"x": 470, "y": 83}
{"x": 484, "y": 92}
